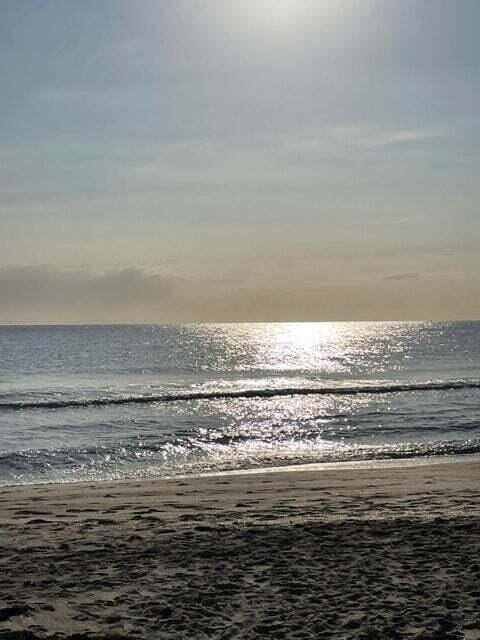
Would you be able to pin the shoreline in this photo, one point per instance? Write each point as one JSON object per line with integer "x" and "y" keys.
{"x": 375, "y": 553}
{"x": 353, "y": 465}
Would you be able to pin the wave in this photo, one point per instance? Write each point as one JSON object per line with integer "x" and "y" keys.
{"x": 245, "y": 393}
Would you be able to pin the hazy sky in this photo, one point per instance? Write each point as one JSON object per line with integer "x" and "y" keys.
{"x": 178, "y": 160}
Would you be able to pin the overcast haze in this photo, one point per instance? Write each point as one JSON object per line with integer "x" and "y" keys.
{"x": 185, "y": 160}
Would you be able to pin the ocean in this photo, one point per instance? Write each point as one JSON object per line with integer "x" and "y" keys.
{"x": 82, "y": 403}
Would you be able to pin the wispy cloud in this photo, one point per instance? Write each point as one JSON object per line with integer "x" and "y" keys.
{"x": 403, "y": 276}
{"x": 367, "y": 137}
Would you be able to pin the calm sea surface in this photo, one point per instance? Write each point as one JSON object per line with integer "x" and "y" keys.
{"x": 108, "y": 402}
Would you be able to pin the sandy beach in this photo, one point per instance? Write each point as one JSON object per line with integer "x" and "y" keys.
{"x": 365, "y": 553}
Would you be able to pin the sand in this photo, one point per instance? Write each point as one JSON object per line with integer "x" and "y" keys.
{"x": 373, "y": 553}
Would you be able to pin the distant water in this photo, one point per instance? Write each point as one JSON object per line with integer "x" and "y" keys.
{"x": 111, "y": 402}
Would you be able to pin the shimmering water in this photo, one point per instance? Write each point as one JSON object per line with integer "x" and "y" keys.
{"x": 102, "y": 402}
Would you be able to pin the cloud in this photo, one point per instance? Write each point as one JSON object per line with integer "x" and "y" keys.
{"x": 45, "y": 294}
{"x": 367, "y": 137}
{"x": 403, "y": 276}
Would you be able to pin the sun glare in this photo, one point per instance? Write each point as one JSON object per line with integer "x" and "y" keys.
{"x": 280, "y": 12}
{"x": 275, "y": 15}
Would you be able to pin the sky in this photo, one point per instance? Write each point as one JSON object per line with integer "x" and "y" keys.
{"x": 217, "y": 160}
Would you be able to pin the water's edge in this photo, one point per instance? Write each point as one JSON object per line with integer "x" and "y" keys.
{"x": 350, "y": 466}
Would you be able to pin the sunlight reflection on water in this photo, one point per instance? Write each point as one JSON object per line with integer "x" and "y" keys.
{"x": 79, "y": 364}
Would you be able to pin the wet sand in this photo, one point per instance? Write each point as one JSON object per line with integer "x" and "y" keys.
{"x": 380, "y": 553}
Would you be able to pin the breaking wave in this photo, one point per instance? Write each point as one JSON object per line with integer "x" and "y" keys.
{"x": 447, "y": 385}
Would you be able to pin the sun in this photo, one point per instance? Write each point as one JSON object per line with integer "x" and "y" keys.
{"x": 281, "y": 13}
{"x": 274, "y": 15}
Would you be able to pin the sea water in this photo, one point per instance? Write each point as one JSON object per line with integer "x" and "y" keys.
{"x": 113, "y": 402}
